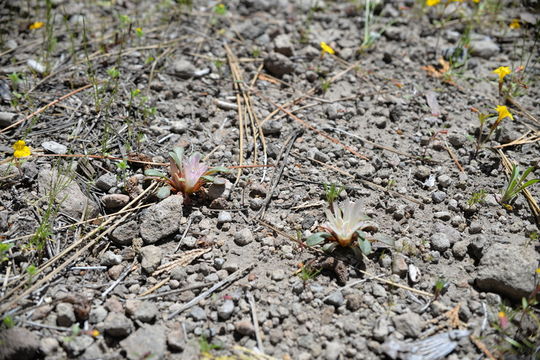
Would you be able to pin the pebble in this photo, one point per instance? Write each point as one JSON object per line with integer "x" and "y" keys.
{"x": 475, "y": 228}
{"x": 442, "y": 215}
{"x": 399, "y": 264}
{"x": 115, "y": 271}
{"x": 36, "y": 66}
{"x": 176, "y": 341}
{"x": 278, "y": 275}
{"x": 75, "y": 346}
{"x": 125, "y": 233}
{"x": 198, "y": 313}
{"x": 6, "y": 118}
{"x": 144, "y": 311}
{"x": 444, "y": 180}
{"x": 183, "y": 69}
{"x": 114, "y": 201}
{"x": 65, "y": 314}
{"x": 283, "y": 45}
{"x": 109, "y": 258}
{"x": 483, "y": 47}
{"x": 226, "y": 309}
{"x": 243, "y": 237}
{"x": 380, "y": 330}
{"x": 278, "y": 64}
{"x": 438, "y": 197}
{"x": 336, "y": 299}
{"x": 333, "y": 350}
{"x": 52, "y": 147}
{"x": 271, "y": 127}
{"x": 151, "y": 258}
{"x": 161, "y": 219}
{"x": 460, "y": 249}
{"x": 48, "y": 346}
{"x": 422, "y": 172}
{"x": 224, "y": 217}
{"x": 97, "y": 314}
{"x": 244, "y": 327}
{"x": 117, "y": 325}
{"x": 440, "y": 242}
{"x": 106, "y": 181}
{"x": 149, "y": 339}
{"x": 408, "y": 324}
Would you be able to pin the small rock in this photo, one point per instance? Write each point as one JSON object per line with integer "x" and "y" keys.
{"x": 422, "y": 172}
{"x": 48, "y": 346}
{"x": 117, "y": 325}
{"x": 333, "y": 350}
{"x": 231, "y": 267}
{"x": 483, "y": 47}
{"x": 115, "y": 271}
{"x": 179, "y": 273}
{"x": 183, "y": 69}
{"x": 7, "y": 118}
{"x": 438, "y": 197}
{"x": 110, "y": 258}
{"x": 475, "y": 228}
{"x": 442, "y": 215}
{"x": 243, "y": 237}
{"x": 65, "y": 314}
{"x": 198, "y": 313}
{"x": 106, "y": 181}
{"x": 151, "y": 258}
{"x": 224, "y": 217}
{"x": 77, "y": 345}
{"x": 444, "y": 181}
{"x": 283, "y": 45}
{"x": 278, "y": 275}
{"x": 399, "y": 264}
{"x": 244, "y": 327}
{"x": 161, "y": 219}
{"x": 179, "y": 126}
{"x": 18, "y": 343}
{"x": 52, "y": 147}
{"x": 115, "y": 201}
{"x": 36, "y": 66}
{"x": 176, "y": 340}
{"x": 336, "y": 299}
{"x": 144, "y": 311}
{"x": 226, "y": 309}
{"x": 125, "y": 233}
{"x": 408, "y": 324}
{"x": 378, "y": 291}
{"x": 380, "y": 330}
{"x": 217, "y": 189}
{"x": 460, "y": 249}
{"x": 271, "y": 127}
{"x": 97, "y": 314}
{"x": 440, "y": 242}
{"x": 278, "y": 64}
{"x": 148, "y": 340}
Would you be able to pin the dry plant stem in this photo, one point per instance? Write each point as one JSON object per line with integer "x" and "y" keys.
{"x": 157, "y": 286}
{"x": 453, "y": 156}
{"x": 153, "y": 68}
{"x": 6, "y": 305}
{"x": 253, "y": 306}
{"x": 524, "y": 139}
{"x": 480, "y": 345}
{"x": 228, "y": 280}
{"x": 282, "y": 158}
{"x": 42, "y": 109}
{"x": 120, "y": 278}
{"x": 172, "y": 292}
{"x": 522, "y": 110}
{"x": 532, "y": 202}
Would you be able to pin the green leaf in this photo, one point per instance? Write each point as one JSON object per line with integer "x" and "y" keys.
{"x": 329, "y": 247}
{"x": 178, "y": 156}
{"x": 217, "y": 169}
{"x": 317, "y": 238}
{"x": 364, "y": 246}
{"x": 154, "y": 172}
{"x": 208, "y": 178}
{"x": 163, "y": 192}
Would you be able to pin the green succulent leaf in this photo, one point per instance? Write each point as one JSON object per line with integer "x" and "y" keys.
{"x": 317, "y": 238}
{"x": 217, "y": 169}
{"x": 177, "y": 155}
{"x": 208, "y": 178}
{"x": 154, "y": 172}
{"x": 364, "y": 246}
{"x": 163, "y": 192}
{"x": 329, "y": 247}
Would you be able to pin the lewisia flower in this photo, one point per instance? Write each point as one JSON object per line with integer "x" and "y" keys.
{"x": 189, "y": 177}
{"x": 503, "y": 113}
{"x": 502, "y": 71}
{"x": 326, "y": 48}
{"x": 21, "y": 150}
{"x": 344, "y": 221}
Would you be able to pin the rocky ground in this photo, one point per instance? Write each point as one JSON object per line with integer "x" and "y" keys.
{"x": 93, "y": 265}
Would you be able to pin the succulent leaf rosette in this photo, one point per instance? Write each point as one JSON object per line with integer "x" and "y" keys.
{"x": 187, "y": 175}
{"x": 343, "y": 227}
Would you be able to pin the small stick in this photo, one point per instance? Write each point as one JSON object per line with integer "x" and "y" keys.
{"x": 480, "y": 345}
{"x": 255, "y": 321}
{"x": 88, "y": 268}
{"x": 42, "y": 109}
{"x": 120, "y": 278}
{"x": 228, "y": 280}
{"x": 157, "y": 286}
{"x": 453, "y": 156}
{"x": 172, "y": 292}
{"x": 184, "y": 234}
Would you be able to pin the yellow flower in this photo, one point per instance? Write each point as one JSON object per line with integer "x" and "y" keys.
{"x": 432, "y": 2}
{"x": 139, "y": 32}
{"x": 21, "y": 150}
{"x": 476, "y": 1}
{"x": 326, "y": 48}
{"x": 538, "y": 270}
{"x": 503, "y": 113}
{"x": 515, "y": 24}
{"x": 36, "y": 25}
{"x": 95, "y": 333}
{"x": 502, "y": 71}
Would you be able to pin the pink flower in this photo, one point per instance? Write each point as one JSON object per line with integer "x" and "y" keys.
{"x": 193, "y": 170}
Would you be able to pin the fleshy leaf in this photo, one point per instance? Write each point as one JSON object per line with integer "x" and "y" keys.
{"x": 217, "y": 169}
{"x": 364, "y": 246}
{"x": 317, "y": 238}
{"x": 208, "y": 178}
{"x": 163, "y": 192}
{"x": 178, "y": 156}
{"x": 329, "y": 247}
{"x": 154, "y": 172}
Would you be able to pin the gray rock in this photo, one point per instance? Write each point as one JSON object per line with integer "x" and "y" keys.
{"x": 444, "y": 180}
{"x": 440, "y": 242}
{"x": 226, "y": 309}
{"x": 176, "y": 340}
{"x": 110, "y": 258}
{"x": 283, "y": 45}
{"x": 179, "y": 126}
{"x": 106, "y": 181}
{"x": 333, "y": 350}
{"x": 65, "y": 314}
{"x": 230, "y": 267}
{"x": 183, "y": 69}
{"x": 399, "y": 264}
{"x": 475, "y": 227}
{"x": 457, "y": 140}
{"x": 18, "y": 343}
{"x": 224, "y": 217}
{"x": 380, "y": 330}
{"x": 125, "y": 233}
{"x": 48, "y": 346}
{"x": 151, "y": 258}
{"x": 460, "y": 249}
{"x": 378, "y": 290}
{"x": 77, "y": 345}
{"x": 442, "y": 215}
{"x": 336, "y": 299}
{"x": 179, "y": 273}
{"x": 97, "y": 314}
{"x": 243, "y": 237}
{"x": 278, "y": 64}
{"x": 217, "y": 189}
{"x": 6, "y": 119}
{"x": 161, "y": 219}
{"x": 477, "y": 246}
{"x": 272, "y": 127}
{"x": 198, "y": 313}
{"x": 483, "y": 47}
{"x": 252, "y": 28}
{"x": 244, "y": 327}
{"x": 508, "y": 269}
{"x": 148, "y": 340}
{"x": 278, "y": 275}
{"x": 68, "y": 194}
{"x": 422, "y": 172}
{"x": 144, "y": 311}
{"x": 114, "y": 201}
{"x": 438, "y": 197}
{"x": 53, "y": 147}
{"x": 408, "y": 324}
{"x": 117, "y": 325}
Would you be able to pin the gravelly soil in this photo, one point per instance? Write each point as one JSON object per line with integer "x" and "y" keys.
{"x": 226, "y": 271}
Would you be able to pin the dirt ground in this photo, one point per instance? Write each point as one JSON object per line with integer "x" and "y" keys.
{"x": 374, "y": 102}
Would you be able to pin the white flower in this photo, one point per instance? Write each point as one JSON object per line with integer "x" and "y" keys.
{"x": 344, "y": 221}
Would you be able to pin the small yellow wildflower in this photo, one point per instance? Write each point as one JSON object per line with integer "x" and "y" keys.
{"x": 538, "y": 270}
{"x": 515, "y": 24}
{"x": 139, "y": 32}
{"x": 476, "y": 1}
{"x": 20, "y": 149}
{"x": 36, "y": 25}
{"x": 503, "y": 113}
{"x": 502, "y": 71}
{"x": 95, "y": 333}
{"x": 432, "y": 2}
{"x": 326, "y": 48}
